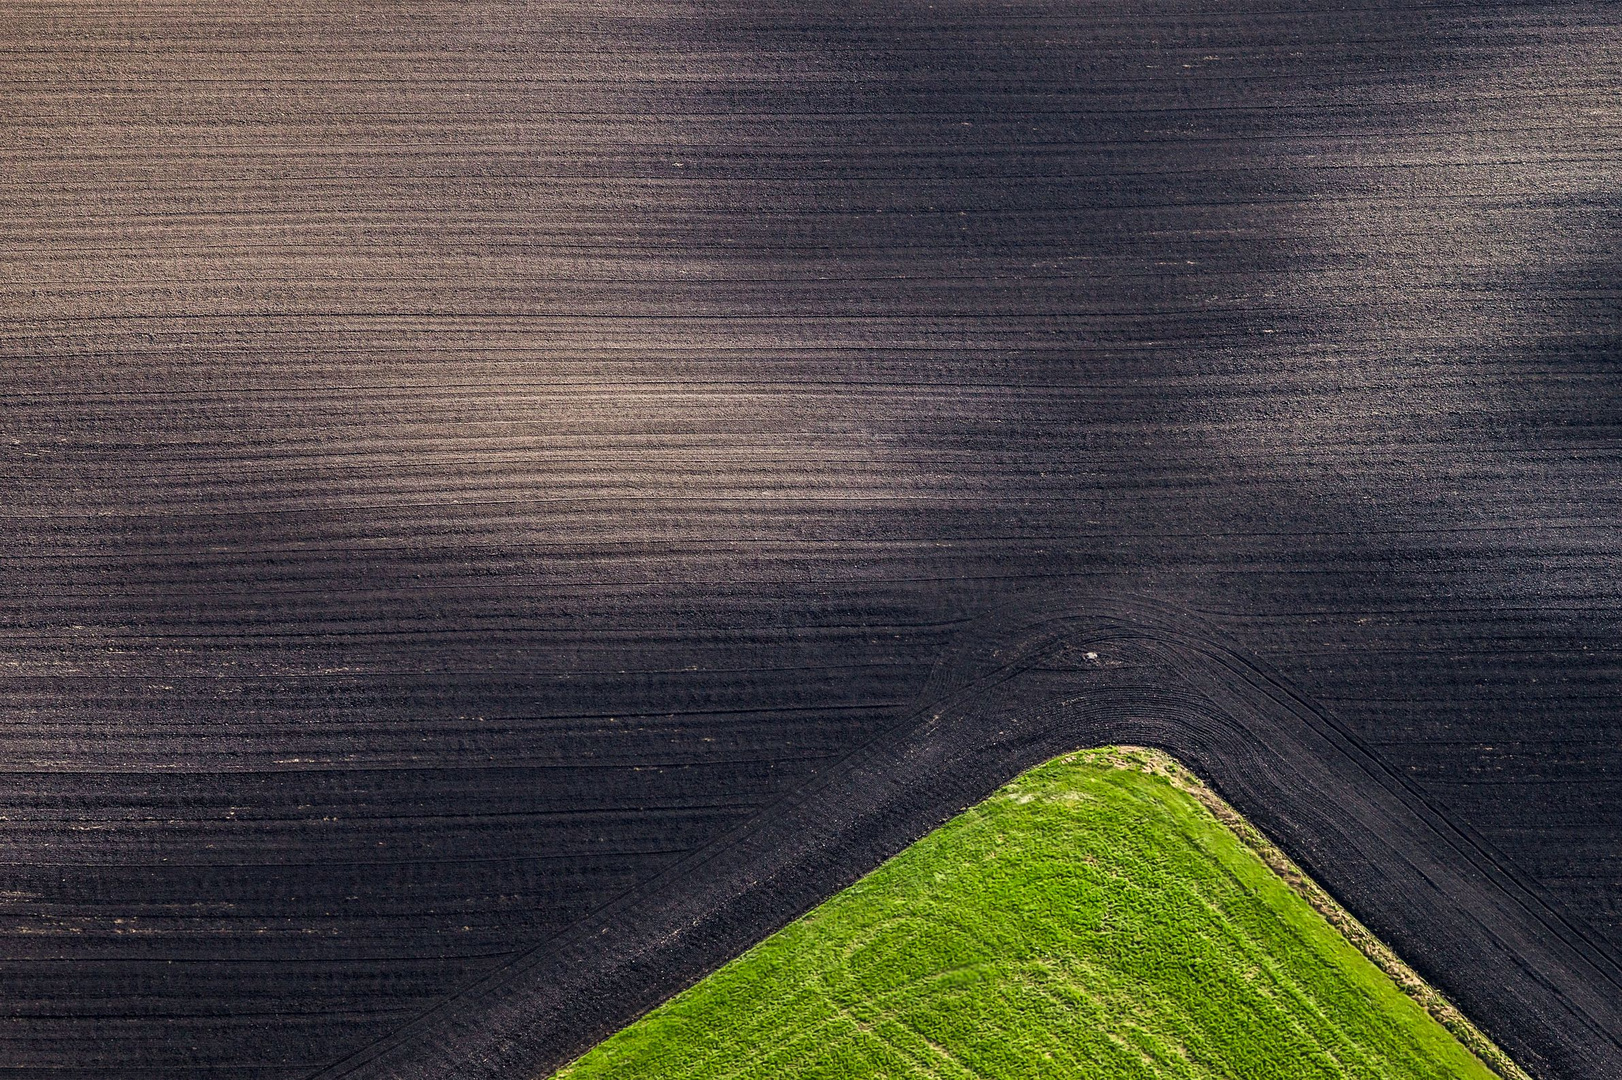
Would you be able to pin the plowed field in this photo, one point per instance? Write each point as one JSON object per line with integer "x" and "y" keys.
{"x": 503, "y": 505}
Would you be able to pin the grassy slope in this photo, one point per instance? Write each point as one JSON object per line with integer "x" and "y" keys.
{"x": 1088, "y": 920}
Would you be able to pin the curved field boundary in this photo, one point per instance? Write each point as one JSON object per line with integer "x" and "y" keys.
{"x": 1011, "y": 693}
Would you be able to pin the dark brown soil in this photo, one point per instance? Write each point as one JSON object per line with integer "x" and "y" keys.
{"x": 503, "y": 504}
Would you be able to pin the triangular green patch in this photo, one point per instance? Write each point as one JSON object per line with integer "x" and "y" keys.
{"x": 1095, "y": 918}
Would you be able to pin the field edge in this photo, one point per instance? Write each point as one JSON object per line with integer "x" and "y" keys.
{"x": 1159, "y": 763}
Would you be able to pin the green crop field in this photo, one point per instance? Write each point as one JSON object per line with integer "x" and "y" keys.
{"x": 1094, "y": 918}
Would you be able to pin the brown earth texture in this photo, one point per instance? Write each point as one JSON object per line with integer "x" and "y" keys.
{"x": 503, "y": 504}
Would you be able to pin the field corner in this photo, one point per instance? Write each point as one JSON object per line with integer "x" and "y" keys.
{"x": 1159, "y": 763}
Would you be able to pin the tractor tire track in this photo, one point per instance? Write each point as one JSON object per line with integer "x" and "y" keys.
{"x": 1002, "y": 700}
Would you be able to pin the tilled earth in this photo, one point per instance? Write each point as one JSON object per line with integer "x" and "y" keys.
{"x": 503, "y": 504}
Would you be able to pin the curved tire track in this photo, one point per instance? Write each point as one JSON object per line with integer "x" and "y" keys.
{"x": 1010, "y": 693}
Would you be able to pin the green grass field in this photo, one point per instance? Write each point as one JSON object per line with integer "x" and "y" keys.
{"x": 1092, "y": 919}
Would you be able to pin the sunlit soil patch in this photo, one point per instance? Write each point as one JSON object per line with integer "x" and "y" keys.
{"x": 1105, "y": 915}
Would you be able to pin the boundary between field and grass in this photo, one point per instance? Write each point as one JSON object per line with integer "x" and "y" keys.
{"x": 1433, "y": 1001}
{"x": 1016, "y": 688}
{"x": 1165, "y": 767}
